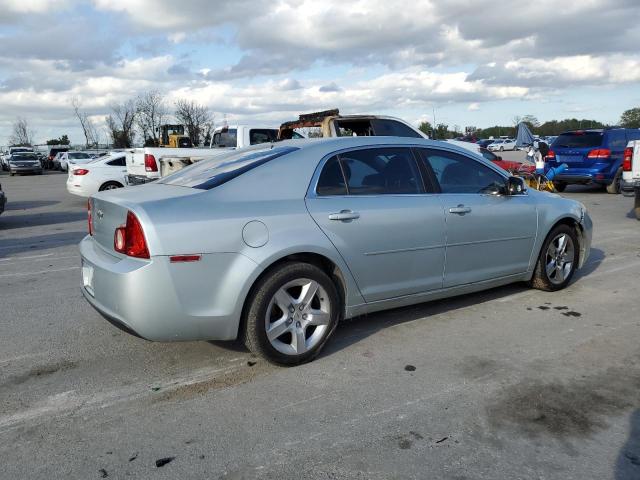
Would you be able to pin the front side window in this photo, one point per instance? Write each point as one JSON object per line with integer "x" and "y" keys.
{"x": 457, "y": 173}
{"x": 262, "y": 135}
{"x": 381, "y": 171}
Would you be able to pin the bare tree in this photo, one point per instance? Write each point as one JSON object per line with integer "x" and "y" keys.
{"x": 193, "y": 116}
{"x": 22, "y": 134}
{"x": 88, "y": 128}
{"x": 120, "y": 124}
{"x": 151, "y": 112}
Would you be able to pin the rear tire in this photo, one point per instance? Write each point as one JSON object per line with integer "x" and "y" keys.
{"x": 614, "y": 186}
{"x": 560, "y": 186}
{"x": 110, "y": 186}
{"x": 557, "y": 261}
{"x": 298, "y": 304}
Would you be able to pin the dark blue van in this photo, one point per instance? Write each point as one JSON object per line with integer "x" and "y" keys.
{"x": 593, "y": 156}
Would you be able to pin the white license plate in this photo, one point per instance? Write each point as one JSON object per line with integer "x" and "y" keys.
{"x": 87, "y": 277}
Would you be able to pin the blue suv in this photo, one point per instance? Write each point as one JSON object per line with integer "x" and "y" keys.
{"x": 593, "y": 156}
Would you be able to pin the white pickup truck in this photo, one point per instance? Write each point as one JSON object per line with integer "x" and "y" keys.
{"x": 145, "y": 164}
{"x": 630, "y": 183}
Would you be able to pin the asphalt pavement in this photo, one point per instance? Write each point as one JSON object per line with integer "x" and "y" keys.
{"x": 508, "y": 383}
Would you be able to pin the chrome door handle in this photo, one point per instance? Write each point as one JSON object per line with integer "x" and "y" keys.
{"x": 460, "y": 210}
{"x": 344, "y": 215}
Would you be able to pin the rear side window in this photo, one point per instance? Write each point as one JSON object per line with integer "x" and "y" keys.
{"x": 265, "y": 135}
{"x": 578, "y": 140}
{"x": 331, "y": 181}
{"x": 226, "y": 138}
{"x": 118, "y": 162}
{"x": 208, "y": 174}
{"x": 460, "y": 174}
{"x": 393, "y": 128}
{"x": 616, "y": 140}
{"x": 373, "y": 171}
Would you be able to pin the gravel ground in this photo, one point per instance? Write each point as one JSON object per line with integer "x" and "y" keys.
{"x": 509, "y": 383}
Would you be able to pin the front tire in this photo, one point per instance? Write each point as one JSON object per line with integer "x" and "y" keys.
{"x": 557, "y": 261}
{"x": 291, "y": 313}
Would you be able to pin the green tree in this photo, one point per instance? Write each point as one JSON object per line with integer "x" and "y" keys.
{"x": 426, "y": 128}
{"x": 63, "y": 140}
{"x": 630, "y": 118}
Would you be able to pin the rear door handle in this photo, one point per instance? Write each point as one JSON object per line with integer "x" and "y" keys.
{"x": 344, "y": 215}
{"x": 460, "y": 210}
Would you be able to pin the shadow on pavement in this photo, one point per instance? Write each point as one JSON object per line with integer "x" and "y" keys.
{"x": 595, "y": 259}
{"x": 628, "y": 463}
{"x": 13, "y": 246}
{"x": 351, "y": 331}
{"x": 28, "y": 204}
{"x": 37, "y": 219}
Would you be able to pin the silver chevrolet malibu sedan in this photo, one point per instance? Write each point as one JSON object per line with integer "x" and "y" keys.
{"x": 276, "y": 244}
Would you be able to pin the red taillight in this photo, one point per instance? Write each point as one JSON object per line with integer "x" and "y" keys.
{"x": 551, "y": 155}
{"x": 627, "y": 159}
{"x": 599, "y": 153}
{"x": 80, "y": 171}
{"x": 129, "y": 238}
{"x": 150, "y": 164}
{"x": 89, "y": 217}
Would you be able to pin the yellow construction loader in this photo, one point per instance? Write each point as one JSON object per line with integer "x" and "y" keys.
{"x": 173, "y": 136}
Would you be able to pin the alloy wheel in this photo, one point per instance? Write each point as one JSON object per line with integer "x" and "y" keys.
{"x": 298, "y": 316}
{"x": 559, "y": 258}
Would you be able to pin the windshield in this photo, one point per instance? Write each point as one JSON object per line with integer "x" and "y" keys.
{"x": 208, "y": 174}
{"x": 578, "y": 140}
{"x": 25, "y": 156}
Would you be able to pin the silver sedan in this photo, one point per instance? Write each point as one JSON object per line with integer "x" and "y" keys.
{"x": 276, "y": 244}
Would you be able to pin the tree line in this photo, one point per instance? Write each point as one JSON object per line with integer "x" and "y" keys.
{"x": 145, "y": 113}
{"x": 629, "y": 119}
{"x": 143, "y": 116}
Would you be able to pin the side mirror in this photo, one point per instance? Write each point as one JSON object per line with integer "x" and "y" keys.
{"x": 516, "y": 186}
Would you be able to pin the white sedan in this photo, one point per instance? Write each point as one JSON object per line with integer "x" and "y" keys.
{"x": 502, "y": 144}
{"x": 104, "y": 173}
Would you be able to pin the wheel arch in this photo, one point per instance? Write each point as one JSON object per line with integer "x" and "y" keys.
{"x": 108, "y": 182}
{"x": 574, "y": 224}
{"x": 331, "y": 268}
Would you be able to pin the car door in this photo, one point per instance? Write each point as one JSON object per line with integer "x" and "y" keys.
{"x": 489, "y": 234}
{"x": 372, "y": 204}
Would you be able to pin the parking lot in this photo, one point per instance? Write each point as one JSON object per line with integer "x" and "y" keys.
{"x": 508, "y": 383}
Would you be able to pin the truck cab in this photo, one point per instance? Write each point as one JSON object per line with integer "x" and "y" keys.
{"x": 238, "y": 136}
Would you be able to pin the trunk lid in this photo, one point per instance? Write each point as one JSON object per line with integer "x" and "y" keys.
{"x": 109, "y": 210}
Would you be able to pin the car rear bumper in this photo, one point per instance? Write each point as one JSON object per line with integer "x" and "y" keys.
{"x": 163, "y": 301}
{"x": 629, "y": 188}
{"x": 25, "y": 169}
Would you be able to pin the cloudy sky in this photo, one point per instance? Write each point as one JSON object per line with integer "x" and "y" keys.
{"x": 475, "y": 62}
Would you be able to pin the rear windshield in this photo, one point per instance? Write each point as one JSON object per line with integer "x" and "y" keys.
{"x": 226, "y": 138}
{"x": 78, "y": 155}
{"x": 578, "y": 140}
{"x": 208, "y": 174}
